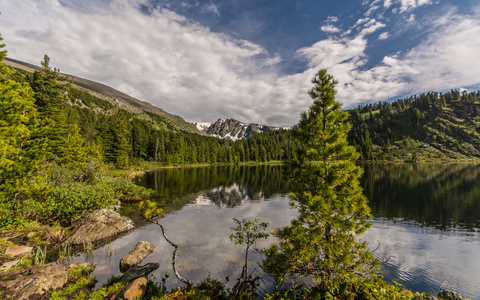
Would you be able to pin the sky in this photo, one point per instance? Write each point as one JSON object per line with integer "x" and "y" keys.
{"x": 251, "y": 60}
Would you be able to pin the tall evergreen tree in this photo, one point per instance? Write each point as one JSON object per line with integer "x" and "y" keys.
{"x": 22, "y": 150}
{"x": 51, "y": 90}
{"x": 73, "y": 151}
{"x": 323, "y": 240}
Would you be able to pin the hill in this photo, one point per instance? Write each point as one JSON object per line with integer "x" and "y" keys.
{"x": 432, "y": 126}
{"x": 119, "y": 99}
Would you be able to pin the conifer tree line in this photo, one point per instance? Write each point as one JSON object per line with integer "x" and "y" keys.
{"x": 78, "y": 126}
{"x": 448, "y": 123}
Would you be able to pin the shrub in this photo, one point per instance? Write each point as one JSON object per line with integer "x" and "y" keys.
{"x": 67, "y": 201}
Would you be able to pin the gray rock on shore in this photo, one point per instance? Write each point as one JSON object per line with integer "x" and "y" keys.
{"x": 36, "y": 281}
{"x": 99, "y": 225}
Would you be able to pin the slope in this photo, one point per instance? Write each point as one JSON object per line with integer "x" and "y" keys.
{"x": 119, "y": 99}
{"x": 429, "y": 126}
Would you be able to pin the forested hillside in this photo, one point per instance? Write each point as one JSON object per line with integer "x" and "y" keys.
{"x": 432, "y": 126}
{"x": 121, "y": 131}
{"x": 119, "y": 135}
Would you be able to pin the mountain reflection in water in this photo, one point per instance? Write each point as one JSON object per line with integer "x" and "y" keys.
{"x": 426, "y": 222}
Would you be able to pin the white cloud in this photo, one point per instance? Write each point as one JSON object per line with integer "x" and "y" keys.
{"x": 332, "y": 19}
{"x": 210, "y": 7}
{"x": 329, "y": 28}
{"x": 447, "y": 58}
{"x": 406, "y": 5}
{"x": 372, "y": 26}
{"x": 383, "y": 36}
{"x": 164, "y": 59}
{"x": 399, "y": 6}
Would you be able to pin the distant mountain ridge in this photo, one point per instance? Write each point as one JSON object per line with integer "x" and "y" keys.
{"x": 117, "y": 98}
{"x": 229, "y": 128}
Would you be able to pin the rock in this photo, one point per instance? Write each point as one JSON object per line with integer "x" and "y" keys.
{"x": 448, "y": 295}
{"x": 98, "y": 225}
{"x": 18, "y": 250}
{"x": 136, "y": 255}
{"x": 36, "y": 281}
{"x": 139, "y": 271}
{"x": 31, "y": 234}
{"x": 9, "y": 265}
{"x": 134, "y": 290}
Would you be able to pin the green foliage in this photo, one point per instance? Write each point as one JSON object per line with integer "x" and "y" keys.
{"x": 76, "y": 94}
{"x": 150, "y": 210}
{"x": 22, "y": 149}
{"x": 372, "y": 288}
{"x": 50, "y": 99}
{"x": 208, "y": 289}
{"x": 73, "y": 151}
{"x": 246, "y": 233}
{"x": 66, "y": 201}
{"x": 322, "y": 241}
{"x": 443, "y": 126}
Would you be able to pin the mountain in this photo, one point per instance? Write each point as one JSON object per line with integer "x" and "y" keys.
{"x": 233, "y": 129}
{"x": 142, "y": 109}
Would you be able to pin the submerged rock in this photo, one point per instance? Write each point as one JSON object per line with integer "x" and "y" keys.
{"x": 139, "y": 271}
{"x": 99, "y": 225}
{"x": 136, "y": 255}
{"x": 36, "y": 281}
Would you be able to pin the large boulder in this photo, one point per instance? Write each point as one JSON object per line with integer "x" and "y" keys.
{"x": 36, "y": 281}
{"x": 99, "y": 225}
{"x": 136, "y": 255}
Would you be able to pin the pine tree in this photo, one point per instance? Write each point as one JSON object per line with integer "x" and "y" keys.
{"x": 322, "y": 240}
{"x": 22, "y": 150}
{"x": 73, "y": 151}
{"x": 51, "y": 90}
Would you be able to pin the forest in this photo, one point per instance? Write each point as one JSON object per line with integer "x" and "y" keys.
{"x": 431, "y": 126}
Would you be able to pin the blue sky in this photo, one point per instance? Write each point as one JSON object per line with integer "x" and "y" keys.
{"x": 251, "y": 59}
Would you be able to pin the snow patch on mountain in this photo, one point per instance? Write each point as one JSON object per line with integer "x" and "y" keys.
{"x": 202, "y": 126}
{"x": 233, "y": 129}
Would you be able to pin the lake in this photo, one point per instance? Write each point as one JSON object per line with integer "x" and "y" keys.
{"x": 426, "y": 223}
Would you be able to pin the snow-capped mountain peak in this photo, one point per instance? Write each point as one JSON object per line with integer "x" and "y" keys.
{"x": 232, "y": 129}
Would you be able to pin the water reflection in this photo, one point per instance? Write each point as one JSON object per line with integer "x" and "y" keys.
{"x": 426, "y": 220}
{"x": 226, "y": 186}
{"x": 443, "y": 196}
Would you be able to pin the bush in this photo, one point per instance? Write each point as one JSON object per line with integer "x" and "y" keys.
{"x": 65, "y": 202}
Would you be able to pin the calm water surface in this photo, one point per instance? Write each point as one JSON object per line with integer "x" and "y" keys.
{"x": 426, "y": 223}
